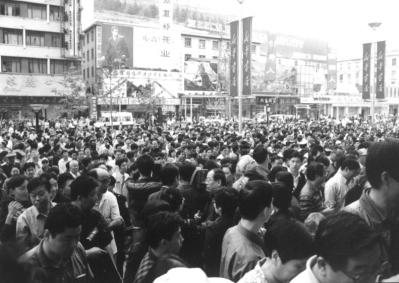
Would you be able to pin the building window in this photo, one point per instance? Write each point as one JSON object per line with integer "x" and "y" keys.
{"x": 393, "y": 61}
{"x": 12, "y": 36}
{"x": 37, "y": 66}
{"x": 88, "y": 72}
{"x": 10, "y": 65}
{"x": 88, "y": 55}
{"x": 35, "y": 38}
{"x": 215, "y": 45}
{"x": 187, "y": 57}
{"x": 36, "y": 11}
{"x": 92, "y": 54}
{"x": 92, "y": 35}
{"x": 88, "y": 37}
{"x": 202, "y": 56}
{"x": 187, "y": 42}
{"x": 253, "y": 48}
{"x": 215, "y": 57}
{"x": 341, "y": 77}
{"x": 202, "y": 43}
{"x": 84, "y": 74}
{"x": 55, "y": 13}
{"x": 10, "y": 9}
{"x": 92, "y": 72}
{"x": 166, "y": 13}
{"x": 56, "y": 40}
{"x": 58, "y": 67}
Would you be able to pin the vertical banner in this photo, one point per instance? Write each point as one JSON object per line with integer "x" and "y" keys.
{"x": 380, "y": 87}
{"x": 366, "y": 70}
{"x": 234, "y": 58}
{"x": 246, "y": 48}
{"x": 271, "y": 66}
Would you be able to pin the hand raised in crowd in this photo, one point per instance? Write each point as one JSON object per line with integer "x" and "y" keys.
{"x": 14, "y": 211}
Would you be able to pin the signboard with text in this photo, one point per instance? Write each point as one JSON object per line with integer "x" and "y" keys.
{"x": 366, "y": 70}
{"x": 246, "y": 48}
{"x": 380, "y": 70}
{"x": 234, "y": 58}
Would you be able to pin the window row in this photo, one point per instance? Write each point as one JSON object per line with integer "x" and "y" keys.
{"x": 30, "y": 10}
{"x": 32, "y": 66}
{"x": 34, "y": 38}
{"x": 86, "y": 73}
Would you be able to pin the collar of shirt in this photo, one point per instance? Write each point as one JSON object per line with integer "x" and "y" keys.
{"x": 253, "y": 237}
{"x": 375, "y": 214}
{"x": 38, "y": 214}
{"x": 307, "y": 275}
{"x": 44, "y": 260}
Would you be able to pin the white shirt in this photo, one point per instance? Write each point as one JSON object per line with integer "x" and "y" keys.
{"x": 307, "y": 275}
{"x": 62, "y": 165}
{"x": 335, "y": 191}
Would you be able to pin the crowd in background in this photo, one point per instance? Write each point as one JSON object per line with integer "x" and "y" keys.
{"x": 286, "y": 201}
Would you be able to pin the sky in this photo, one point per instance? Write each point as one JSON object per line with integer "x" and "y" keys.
{"x": 344, "y": 23}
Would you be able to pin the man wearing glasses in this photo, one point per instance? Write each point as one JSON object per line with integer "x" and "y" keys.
{"x": 347, "y": 251}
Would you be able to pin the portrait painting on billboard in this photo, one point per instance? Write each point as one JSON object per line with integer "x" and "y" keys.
{"x": 117, "y": 45}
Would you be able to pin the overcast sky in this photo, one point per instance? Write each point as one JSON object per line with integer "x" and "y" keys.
{"x": 344, "y": 23}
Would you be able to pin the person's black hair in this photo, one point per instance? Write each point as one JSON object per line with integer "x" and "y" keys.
{"x": 323, "y": 159}
{"x": 38, "y": 182}
{"x": 28, "y": 165}
{"x": 275, "y": 157}
{"x": 290, "y": 239}
{"x": 63, "y": 178}
{"x": 169, "y": 173}
{"x": 225, "y": 162}
{"x": 145, "y": 164}
{"x": 130, "y": 154}
{"x": 272, "y": 174}
{"x": 120, "y": 161}
{"x": 210, "y": 165}
{"x": 350, "y": 163}
{"x": 162, "y": 225}
{"x": 11, "y": 269}
{"x": 314, "y": 169}
{"x": 341, "y": 236}
{"x": 287, "y": 154}
{"x": 174, "y": 197}
{"x": 286, "y": 178}
{"x": 253, "y": 174}
{"x": 15, "y": 181}
{"x": 295, "y": 154}
{"x": 49, "y": 176}
{"x": 186, "y": 170}
{"x": 254, "y": 198}
{"x": 86, "y": 161}
{"x": 282, "y": 196}
{"x": 62, "y": 217}
{"x": 260, "y": 154}
{"x": 82, "y": 186}
{"x": 227, "y": 200}
{"x": 218, "y": 175}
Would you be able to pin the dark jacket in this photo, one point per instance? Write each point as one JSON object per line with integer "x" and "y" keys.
{"x": 162, "y": 266}
{"x": 213, "y": 244}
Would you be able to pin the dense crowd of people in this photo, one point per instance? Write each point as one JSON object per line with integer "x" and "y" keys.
{"x": 287, "y": 201}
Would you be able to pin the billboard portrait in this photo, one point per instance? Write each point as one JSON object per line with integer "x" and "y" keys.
{"x": 117, "y": 44}
{"x": 200, "y": 75}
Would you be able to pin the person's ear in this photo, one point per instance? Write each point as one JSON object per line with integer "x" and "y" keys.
{"x": 322, "y": 266}
{"x": 46, "y": 234}
{"x": 275, "y": 258}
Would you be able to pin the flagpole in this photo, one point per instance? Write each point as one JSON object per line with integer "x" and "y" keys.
{"x": 239, "y": 66}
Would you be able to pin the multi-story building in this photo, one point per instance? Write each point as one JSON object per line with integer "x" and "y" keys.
{"x": 39, "y": 49}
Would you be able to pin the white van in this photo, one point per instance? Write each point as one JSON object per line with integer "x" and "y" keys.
{"x": 118, "y": 119}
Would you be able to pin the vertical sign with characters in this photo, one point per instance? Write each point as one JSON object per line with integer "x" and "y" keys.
{"x": 234, "y": 58}
{"x": 246, "y": 47}
{"x": 366, "y": 70}
{"x": 380, "y": 70}
{"x": 166, "y": 21}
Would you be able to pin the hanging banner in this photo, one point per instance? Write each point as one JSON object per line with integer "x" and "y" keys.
{"x": 246, "y": 48}
{"x": 380, "y": 70}
{"x": 234, "y": 58}
{"x": 366, "y": 70}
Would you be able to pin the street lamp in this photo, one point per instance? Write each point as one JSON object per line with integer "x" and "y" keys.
{"x": 374, "y": 26}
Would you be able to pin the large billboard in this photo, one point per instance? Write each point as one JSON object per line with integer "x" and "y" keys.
{"x": 117, "y": 44}
{"x": 200, "y": 75}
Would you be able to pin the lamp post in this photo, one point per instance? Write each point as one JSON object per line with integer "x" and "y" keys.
{"x": 374, "y": 26}
{"x": 239, "y": 64}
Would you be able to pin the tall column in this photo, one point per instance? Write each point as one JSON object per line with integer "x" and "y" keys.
{"x": 48, "y": 12}
{"x": 191, "y": 109}
{"x": 48, "y": 66}
{"x": 0, "y": 64}
{"x": 24, "y": 37}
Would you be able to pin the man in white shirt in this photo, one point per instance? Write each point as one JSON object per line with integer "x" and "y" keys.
{"x": 120, "y": 176}
{"x": 63, "y": 161}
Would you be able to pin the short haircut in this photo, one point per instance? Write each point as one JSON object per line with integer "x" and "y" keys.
{"x": 323, "y": 160}
{"x": 342, "y": 236}
{"x": 290, "y": 239}
{"x": 38, "y": 182}
{"x": 172, "y": 196}
{"x": 145, "y": 164}
{"x": 82, "y": 186}
{"x": 286, "y": 178}
{"x": 62, "y": 217}
{"x": 254, "y": 198}
{"x": 63, "y": 178}
{"x": 227, "y": 200}
{"x": 260, "y": 154}
{"x": 120, "y": 161}
{"x": 295, "y": 154}
{"x": 274, "y": 171}
{"x": 351, "y": 163}
{"x": 15, "y": 181}
{"x": 28, "y": 165}
{"x": 218, "y": 175}
{"x": 382, "y": 156}
{"x": 169, "y": 173}
{"x": 162, "y": 225}
{"x": 282, "y": 196}
{"x": 186, "y": 170}
{"x": 49, "y": 176}
{"x": 130, "y": 154}
{"x": 314, "y": 169}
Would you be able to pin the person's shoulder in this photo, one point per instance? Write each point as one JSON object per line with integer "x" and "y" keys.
{"x": 30, "y": 257}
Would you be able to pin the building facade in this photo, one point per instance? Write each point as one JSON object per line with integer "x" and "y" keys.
{"x": 39, "y": 50}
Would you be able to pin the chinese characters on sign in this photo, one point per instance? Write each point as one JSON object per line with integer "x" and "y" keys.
{"x": 366, "y": 70}
{"x": 166, "y": 20}
{"x": 380, "y": 70}
{"x": 246, "y": 47}
{"x": 234, "y": 58}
